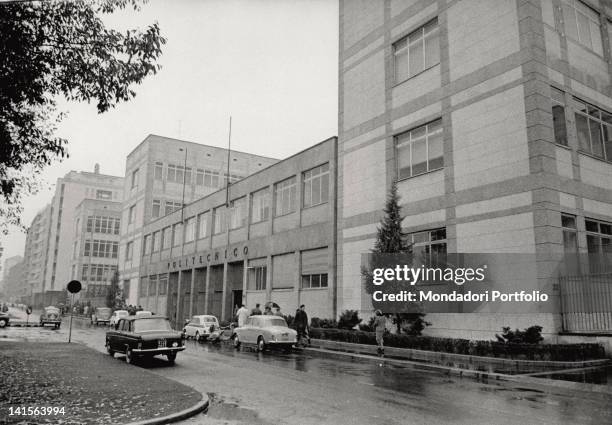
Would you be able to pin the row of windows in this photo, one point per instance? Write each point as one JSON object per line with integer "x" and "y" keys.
{"x": 593, "y": 125}
{"x": 102, "y": 224}
{"x": 315, "y": 192}
{"x": 169, "y": 207}
{"x": 203, "y": 177}
{"x": 101, "y": 248}
{"x": 153, "y": 285}
{"x": 98, "y": 272}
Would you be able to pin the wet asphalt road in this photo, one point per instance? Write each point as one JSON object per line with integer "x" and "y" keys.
{"x": 246, "y": 387}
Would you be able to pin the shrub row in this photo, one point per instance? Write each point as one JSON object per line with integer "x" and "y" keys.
{"x": 550, "y": 352}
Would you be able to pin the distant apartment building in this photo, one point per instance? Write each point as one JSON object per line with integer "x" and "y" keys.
{"x": 13, "y": 278}
{"x": 95, "y": 248}
{"x": 162, "y": 174}
{"x": 495, "y": 120}
{"x": 34, "y": 254}
{"x": 70, "y": 191}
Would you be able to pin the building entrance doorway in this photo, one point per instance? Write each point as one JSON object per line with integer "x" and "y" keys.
{"x": 236, "y": 298}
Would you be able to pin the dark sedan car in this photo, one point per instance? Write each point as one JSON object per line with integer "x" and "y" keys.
{"x": 144, "y": 337}
{"x": 4, "y": 319}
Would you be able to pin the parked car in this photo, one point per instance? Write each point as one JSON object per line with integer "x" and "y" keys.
{"x": 265, "y": 331}
{"x": 101, "y": 315}
{"x": 4, "y": 319}
{"x": 117, "y": 314}
{"x": 51, "y": 316}
{"x": 144, "y": 337}
{"x": 200, "y": 327}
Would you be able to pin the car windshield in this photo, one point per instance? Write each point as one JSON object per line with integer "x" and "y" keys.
{"x": 148, "y": 325}
{"x": 51, "y": 310}
{"x": 277, "y": 321}
{"x": 121, "y": 313}
{"x": 210, "y": 320}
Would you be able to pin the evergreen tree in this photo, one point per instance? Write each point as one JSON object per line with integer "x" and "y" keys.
{"x": 114, "y": 292}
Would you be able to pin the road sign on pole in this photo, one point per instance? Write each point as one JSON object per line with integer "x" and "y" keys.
{"x": 74, "y": 286}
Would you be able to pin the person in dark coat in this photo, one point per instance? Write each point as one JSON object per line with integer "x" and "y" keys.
{"x": 256, "y": 311}
{"x": 301, "y": 324}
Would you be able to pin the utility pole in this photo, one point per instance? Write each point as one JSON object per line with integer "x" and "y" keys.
{"x": 184, "y": 178}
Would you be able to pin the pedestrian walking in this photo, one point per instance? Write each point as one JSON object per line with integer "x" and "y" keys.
{"x": 380, "y": 323}
{"x": 301, "y": 324}
{"x": 243, "y": 315}
{"x": 268, "y": 311}
{"x": 256, "y": 311}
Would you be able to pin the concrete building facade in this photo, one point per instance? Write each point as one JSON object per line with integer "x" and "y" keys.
{"x": 161, "y": 175}
{"x": 70, "y": 191}
{"x": 13, "y": 278}
{"x": 270, "y": 237}
{"x": 34, "y": 255}
{"x": 493, "y": 117}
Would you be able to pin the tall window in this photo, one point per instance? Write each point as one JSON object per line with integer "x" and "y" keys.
{"x": 417, "y": 51}
{"x": 582, "y": 24}
{"x": 129, "y": 251}
{"x": 420, "y": 150}
{"x": 156, "y": 209}
{"x": 599, "y": 245}
{"x": 203, "y": 220}
{"x": 220, "y": 225}
{"x": 158, "y": 171}
{"x": 570, "y": 234}
{"x": 558, "y": 113}
{"x": 285, "y": 197}
{"x": 135, "y": 178}
{"x": 429, "y": 245}
{"x": 146, "y": 249}
{"x": 260, "y": 205}
{"x": 200, "y": 177}
{"x": 190, "y": 229}
{"x": 594, "y": 130}
{"x": 177, "y": 234}
{"x": 156, "y": 243}
{"x": 316, "y": 186}
{"x": 257, "y": 274}
{"x": 132, "y": 214}
{"x": 238, "y": 213}
{"x": 187, "y": 176}
{"x": 315, "y": 265}
{"x": 167, "y": 237}
{"x": 163, "y": 284}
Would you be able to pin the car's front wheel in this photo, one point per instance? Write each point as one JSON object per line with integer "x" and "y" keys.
{"x": 129, "y": 356}
{"x": 236, "y": 341}
{"x": 261, "y": 344}
{"x": 109, "y": 350}
{"x": 3, "y": 323}
{"x": 171, "y": 357}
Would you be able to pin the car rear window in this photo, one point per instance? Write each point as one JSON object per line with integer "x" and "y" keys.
{"x": 148, "y": 325}
{"x": 277, "y": 322}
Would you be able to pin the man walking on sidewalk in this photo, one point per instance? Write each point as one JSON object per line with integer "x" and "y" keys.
{"x": 380, "y": 323}
{"x": 243, "y": 315}
{"x": 301, "y": 324}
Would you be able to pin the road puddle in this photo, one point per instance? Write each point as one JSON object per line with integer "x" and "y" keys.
{"x": 218, "y": 408}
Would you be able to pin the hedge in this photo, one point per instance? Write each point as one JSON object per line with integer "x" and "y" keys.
{"x": 550, "y": 352}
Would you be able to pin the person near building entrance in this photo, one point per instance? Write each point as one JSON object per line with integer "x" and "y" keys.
{"x": 380, "y": 323}
{"x": 256, "y": 311}
{"x": 242, "y": 314}
{"x": 268, "y": 310}
{"x": 301, "y": 324}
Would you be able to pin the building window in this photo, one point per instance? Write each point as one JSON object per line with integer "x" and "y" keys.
{"x": 129, "y": 251}
{"x": 156, "y": 243}
{"x": 429, "y": 245}
{"x": 158, "y": 171}
{"x": 582, "y": 24}
{"x": 176, "y": 173}
{"x": 200, "y": 177}
{"x": 257, "y": 275}
{"x": 570, "y": 234}
{"x": 166, "y": 238}
{"x": 260, "y": 205}
{"x": 599, "y": 237}
{"x": 419, "y": 150}
{"x": 101, "y": 224}
{"x": 314, "y": 281}
{"x": 417, "y": 51}
{"x": 132, "y": 214}
{"x": 238, "y": 213}
{"x": 152, "y": 286}
{"x": 316, "y": 186}
{"x": 211, "y": 178}
{"x": 171, "y": 206}
{"x": 203, "y": 224}
{"x": 190, "y": 229}
{"x": 220, "y": 225}
{"x": 177, "y": 234}
{"x": 162, "y": 288}
{"x": 146, "y": 249}
{"x": 285, "y": 197}
{"x": 187, "y": 175}
{"x": 558, "y": 113}
{"x": 232, "y": 178}
{"x": 101, "y": 248}
{"x": 156, "y": 209}
{"x": 104, "y": 194}
{"x": 135, "y": 178}
{"x": 594, "y": 130}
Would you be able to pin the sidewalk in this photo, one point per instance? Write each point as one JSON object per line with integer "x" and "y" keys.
{"x": 93, "y": 388}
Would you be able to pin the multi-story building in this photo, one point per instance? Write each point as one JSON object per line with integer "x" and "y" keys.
{"x": 270, "y": 237}
{"x": 70, "y": 191}
{"x": 162, "y": 174}
{"x": 34, "y": 254}
{"x": 13, "y": 278}
{"x": 495, "y": 120}
{"x": 95, "y": 248}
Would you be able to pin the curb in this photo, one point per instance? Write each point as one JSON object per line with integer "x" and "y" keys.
{"x": 201, "y": 406}
{"x": 481, "y": 375}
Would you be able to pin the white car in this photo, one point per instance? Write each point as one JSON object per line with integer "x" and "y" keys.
{"x": 265, "y": 331}
{"x": 118, "y": 314}
{"x": 200, "y": 327}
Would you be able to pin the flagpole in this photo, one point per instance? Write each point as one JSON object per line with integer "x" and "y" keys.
{"x": 229, "y": 147}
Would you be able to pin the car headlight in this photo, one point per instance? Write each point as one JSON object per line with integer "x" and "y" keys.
{"x": 175, "y": 344}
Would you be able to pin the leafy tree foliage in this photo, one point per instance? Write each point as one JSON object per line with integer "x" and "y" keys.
{"x": 59, "y": 48}
{"x": 114, "y": 294}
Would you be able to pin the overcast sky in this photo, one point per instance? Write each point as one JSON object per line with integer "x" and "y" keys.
{"x": 270, "y": 64}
